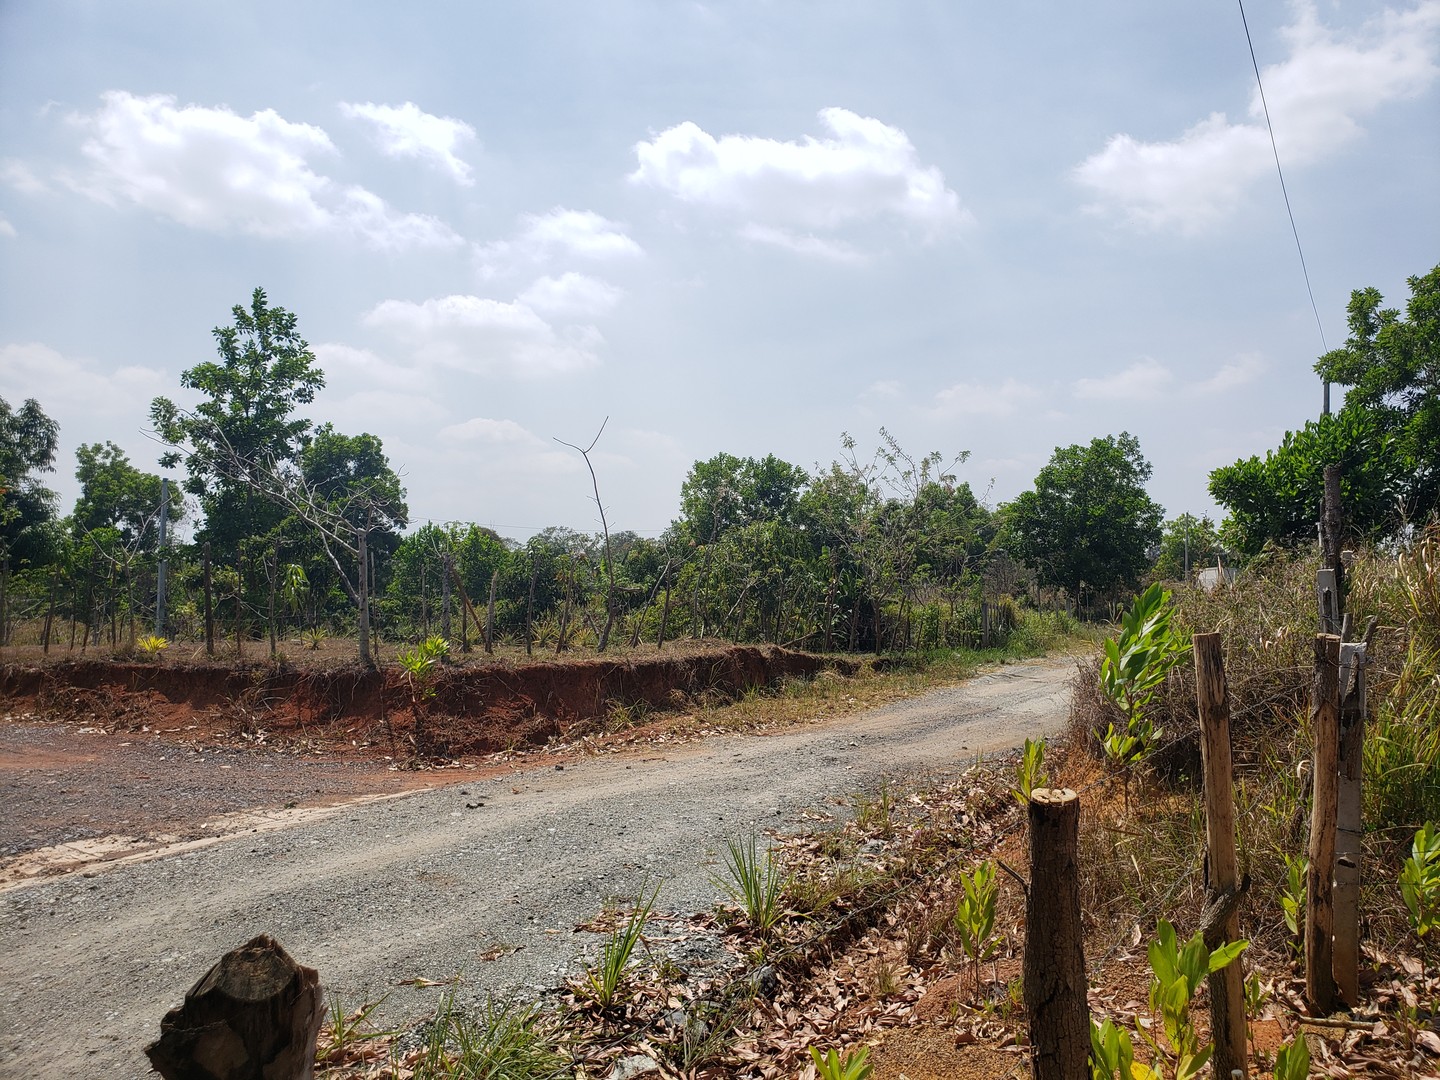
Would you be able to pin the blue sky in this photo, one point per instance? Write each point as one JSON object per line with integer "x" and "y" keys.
{"x": 742, "y": 227}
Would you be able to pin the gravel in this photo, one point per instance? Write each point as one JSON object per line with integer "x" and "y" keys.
{"x": 487, "y": 880}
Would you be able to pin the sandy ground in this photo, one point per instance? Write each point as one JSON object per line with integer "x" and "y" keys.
{"x": 486, "y": 877}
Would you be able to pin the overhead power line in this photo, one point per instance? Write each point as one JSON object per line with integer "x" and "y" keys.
{"x": 1281, "y": 173}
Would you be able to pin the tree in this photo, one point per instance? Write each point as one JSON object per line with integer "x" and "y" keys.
{"x": 1391, "y": 366}
{"x": 116, "y": 495}
{"x": 1385, "y": 438}
{"x": 28, "y": 440}
{"x": 1187, "y": 544}
{"x": 1277, "y": 498}
{"x": 246, "y": 426}
{"x": 1089, "y": 523}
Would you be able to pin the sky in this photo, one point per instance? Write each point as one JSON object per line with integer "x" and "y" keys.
{"x": 744, "y": 227}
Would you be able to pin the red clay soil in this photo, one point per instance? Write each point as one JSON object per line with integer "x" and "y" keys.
{"x": 465, "y": 711}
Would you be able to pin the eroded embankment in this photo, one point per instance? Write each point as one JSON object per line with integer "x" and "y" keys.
{"x": 462, "y": 710}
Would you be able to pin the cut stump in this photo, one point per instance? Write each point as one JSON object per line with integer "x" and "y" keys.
{"x": 255, "y": 1015}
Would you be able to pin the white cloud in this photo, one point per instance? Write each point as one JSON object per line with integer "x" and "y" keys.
{"x": 6, "y": 229}
{"x": 481, "y": 429}
{"x": 884, "y": 388}
{"x": 506, "y": 441}
{"x": 63, "y": 383}
{"x": 570, "y": 294}
{"x": 1143, "y": 380}
{"x": 209, "y": 168}
{"x": 861, "y": 169}
{"x": 1316, "y": 98}
{"x": 406, "y": 131}
{"x": 1241, "y": 371}
{"x": 808, "y": 244}
{"x": 980, "y": 399}
{"x": 347, "y": 365}
{"x": 486, "y": 336}
{"x": 21, "y": 177}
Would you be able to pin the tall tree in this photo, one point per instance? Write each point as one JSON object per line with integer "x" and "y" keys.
{"x": 28, "y": 439}
{"x": 246, "y": 425}
{"x": 1089, "y": 523}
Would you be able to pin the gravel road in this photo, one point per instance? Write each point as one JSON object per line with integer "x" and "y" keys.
{"x": 487, "y": 878}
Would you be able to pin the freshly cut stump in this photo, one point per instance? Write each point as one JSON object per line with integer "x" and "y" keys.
{"x": 255, "y": 1015}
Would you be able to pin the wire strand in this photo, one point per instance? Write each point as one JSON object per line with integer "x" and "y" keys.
{"x": 1280, "y": 172}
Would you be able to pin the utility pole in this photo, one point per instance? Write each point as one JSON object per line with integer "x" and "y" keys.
{"x": 160, "y": 570}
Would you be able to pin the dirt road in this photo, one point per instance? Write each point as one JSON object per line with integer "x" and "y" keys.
{"x": 486, "y": 879}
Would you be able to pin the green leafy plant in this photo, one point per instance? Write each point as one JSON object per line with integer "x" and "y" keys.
{"x": 419, "y": 664}
{"x": 1135, "y": 665}
{"x": 1257, "y": 995}
{"x": 313, "y": 638}
{"x": 854, "y": 1065}
{"x": 345, "y": 1030}
{"x": 1112, "y": 1053}
{"x": 502, "y": 1039}
{"x": 1292, "y": 1061}
{"x": 1176, "y": 974}
{"x": 756, "y": 884}
{"x": 1292, "y": 897}
{"x": 1030, "y": 773}
{"x": 604, "y": 982}
{"x": 1420, "y": 880}
{"x": 873, "y": 814}
{"x": 975, "y": 915}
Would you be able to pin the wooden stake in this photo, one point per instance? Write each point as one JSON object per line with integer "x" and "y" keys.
{"x": 1054, "y": 976}
{"x": 1349, "y": 831}
{"x": 1320, "y": 914}
{"x": 1227, "y": 986}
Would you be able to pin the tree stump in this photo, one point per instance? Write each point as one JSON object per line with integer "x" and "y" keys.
{"x": 1055, "y": 988}
{"x": 255, "y": 1015}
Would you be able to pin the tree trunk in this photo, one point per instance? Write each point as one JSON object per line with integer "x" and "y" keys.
{"x": 1054, "y": 976}
{"x": 490, "y": 614}
{"x": 445, "y": 597}
{"x": 362, "y": 575}
{"x": 664, "y": 619}
{"x": 50, "y": 610}
{"x": 209, "y": 605}
{"x": 530, "y": 611}
{"x": 255, "y": 1015}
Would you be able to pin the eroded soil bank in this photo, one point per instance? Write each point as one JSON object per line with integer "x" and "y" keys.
{"x": 465, "y": 711}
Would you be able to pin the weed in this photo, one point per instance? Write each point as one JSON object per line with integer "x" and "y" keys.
{"x": 345, "y": 1030}
{"x": 975, "y": 916}
{"x": 152, "y": 646}
{"x": 1292, "y": 1061}
{"x": 855, "y": 1065}
{"x": 504, "y": 1041}
{"x": 1030, "y": 773}
{"x": 759, "y": 887}
{"x": 1420, "y": 880}
{"x": 604, "y": 982}
{"x": 873, "y": 815}
{"x": 1292, "y": 898}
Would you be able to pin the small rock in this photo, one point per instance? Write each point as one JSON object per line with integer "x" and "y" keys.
{"x": 765, "y": 981}
{"x": 872, "y": 847}
{"x": 634, "y": 1065}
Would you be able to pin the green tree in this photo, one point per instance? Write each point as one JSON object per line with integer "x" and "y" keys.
{"x": 246, "y": 427}
{"x": 1089, "y": 524}
{"x": 1385, "y": 438}
{"x": 1186, "y": 542}
{"x": 1391, "y": 367}
{"x": 116, "y": 495}
{"x": 28, "y": 440}
{"x": 1277, "y": 497}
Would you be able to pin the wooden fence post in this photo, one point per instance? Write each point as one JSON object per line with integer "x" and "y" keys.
{"x": 1227, "y": 986}
{"x": 1320, "y": 913}
{"x": 1349, "y": 831}
{"x": 490, "y": 614}
{"x": 209, "y": 603}
{"x": 1054, "y": 975}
